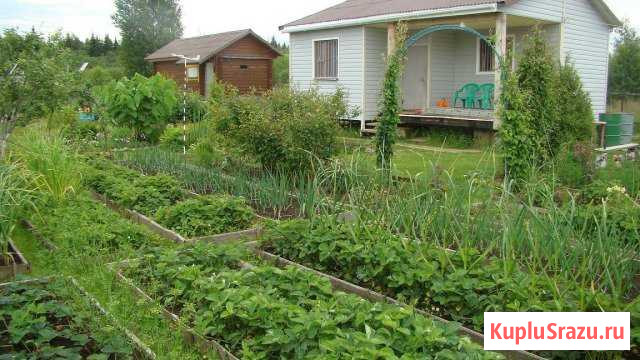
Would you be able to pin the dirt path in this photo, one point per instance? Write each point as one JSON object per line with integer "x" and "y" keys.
{"x": 419, "y": 147}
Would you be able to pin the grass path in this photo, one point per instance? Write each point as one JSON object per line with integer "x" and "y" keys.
{"x": 144, "y": 319}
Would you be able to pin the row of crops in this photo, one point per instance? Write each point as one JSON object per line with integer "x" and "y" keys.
{"x": 456, "y": 285}
{"x": 256, "y": 310}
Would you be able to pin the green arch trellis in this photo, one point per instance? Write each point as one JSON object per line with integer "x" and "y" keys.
{"x": 437, "y": 28}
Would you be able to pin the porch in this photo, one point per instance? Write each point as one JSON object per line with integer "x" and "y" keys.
{"x": 452, "y": 77}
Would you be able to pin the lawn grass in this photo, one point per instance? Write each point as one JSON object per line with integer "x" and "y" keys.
{"x": 412, "y": 161}
{"x": 144, "y": 319}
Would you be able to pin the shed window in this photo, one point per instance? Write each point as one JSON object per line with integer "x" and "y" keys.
{"x": 244, "y": 67}
{"x": 192, "y": 72}
{"x": 326, "y": 59}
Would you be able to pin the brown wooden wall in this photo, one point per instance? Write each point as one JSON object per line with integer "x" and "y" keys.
{"x": 171, "y": 70}
{"x": 247, "y": 64}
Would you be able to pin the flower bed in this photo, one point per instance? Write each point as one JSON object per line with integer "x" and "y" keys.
{"x": 458, "y": 286}
{"x": 268, "y": 312}
{"x": 51, "y": 319}
{"x": 161, "y": 198}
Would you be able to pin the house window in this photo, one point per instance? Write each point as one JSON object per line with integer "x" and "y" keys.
{"x": 192, "y": 72}
{"x": 325, "y": 59}
{"x": 486, "y": 56}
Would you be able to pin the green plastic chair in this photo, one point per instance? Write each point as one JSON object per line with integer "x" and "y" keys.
{"x": 487, "y": 92}
{"x": 468, "y": 94}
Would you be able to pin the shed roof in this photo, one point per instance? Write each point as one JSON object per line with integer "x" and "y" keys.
{"x": 205, "y": 46}
{"x": 358, "y": 9}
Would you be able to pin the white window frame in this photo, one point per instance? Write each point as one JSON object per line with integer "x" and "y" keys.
{"x": 477, "y": 59}
{"x": 197, "y": 73}
{"x": 313, "y": 59}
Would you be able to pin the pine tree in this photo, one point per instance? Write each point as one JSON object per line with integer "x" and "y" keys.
{"x": 145, "y": 26}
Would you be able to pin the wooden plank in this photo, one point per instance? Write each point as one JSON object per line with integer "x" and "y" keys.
{"x": 618, "y": 147}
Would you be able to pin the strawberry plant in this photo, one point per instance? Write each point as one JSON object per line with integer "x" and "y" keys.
{"x": 207, "y": 215}
{"x": 271, "y": 313}
{"x": 459, "y": 285}
{"x": 41, "y": 321}
{"x": 132, "y": 190}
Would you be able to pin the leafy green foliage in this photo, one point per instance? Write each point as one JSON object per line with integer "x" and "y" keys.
{"x": 458, "y": 285}
{"x": 543, "y": 110}
{"x": 266, "y": 312}
{"x": 390, "y": 104}
{"x": 197, "y": 108}
{"x": 36, "y": 320}
{"x": 207, "y": 215}
{"x": 145, "y": 27}
{"x": 38, "y": 76}
{"x": 281, "y": 70}
{"x": 96, "y": 229}
{"x": 14, "y": 194}
{"x": 624, "y": 66}
{"x": 131, "y": 189}
{"x": 575, "y": 114}
{"x": 143, "y": 104}
{"x": 285, "y": 129}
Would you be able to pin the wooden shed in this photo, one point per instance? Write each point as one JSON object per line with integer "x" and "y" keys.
{"x": 240, "y": 58}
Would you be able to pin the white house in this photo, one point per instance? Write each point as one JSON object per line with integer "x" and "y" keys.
{"x": 346, "y": 46}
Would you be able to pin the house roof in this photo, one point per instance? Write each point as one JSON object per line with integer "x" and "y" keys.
{"x": 360, "y": 9}
{"x": 205, "y": 46}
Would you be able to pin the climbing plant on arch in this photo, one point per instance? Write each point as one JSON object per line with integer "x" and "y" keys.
{"x": 390, "y": 104}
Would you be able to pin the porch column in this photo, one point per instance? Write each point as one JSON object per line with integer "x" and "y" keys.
{"x": 391, "y": 38}
{"x": 501, "y": 48}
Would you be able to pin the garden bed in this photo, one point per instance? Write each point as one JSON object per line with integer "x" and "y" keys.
{"x": 234, "y": 303}
{"x": 368, "y": 294}
{"x": 190, "y": 336}
{"x": 73, "y": 323}
{"x": 457, "y": 286}
{"x": 160, "y": 204}
{"x": 18, "y": 263}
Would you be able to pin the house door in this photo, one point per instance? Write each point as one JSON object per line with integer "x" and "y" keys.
{"x": 208, "y": 78}
{"x": 414, "y": 82}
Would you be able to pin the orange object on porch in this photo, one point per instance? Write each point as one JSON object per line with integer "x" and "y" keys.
{"x": 443, "y": 103}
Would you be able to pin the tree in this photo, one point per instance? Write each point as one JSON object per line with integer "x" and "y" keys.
{"x": 145, "y": 26}
{"x": 95, "y": 46}
{"x": 390, "y": 105}
{"x": 624, "y": 66}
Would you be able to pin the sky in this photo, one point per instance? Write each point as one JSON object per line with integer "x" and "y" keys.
{"x": 200, "y": 17}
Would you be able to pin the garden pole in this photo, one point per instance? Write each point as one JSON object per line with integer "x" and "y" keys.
{"x": 184, "y": 99}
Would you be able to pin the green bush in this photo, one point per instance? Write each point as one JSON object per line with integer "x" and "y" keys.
{"x": 207, "y": 215}
{"x": 575, "y": 114}
{"x": 284, "y": 129}
{"x": 173, "y": 136}
{"x": 197, "y": 108}
{"x": 143, "y": 104}
{"x": 575, "y": 164}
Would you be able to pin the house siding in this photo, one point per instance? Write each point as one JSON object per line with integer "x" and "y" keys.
{"x": 586, "y": 45}
{"x": 350, "y": 63}
{"x": 550, "y": 10}
{"x": 443, "y": 54}
{"x": 585, "y": 40}
{"x": 375, "y": 67}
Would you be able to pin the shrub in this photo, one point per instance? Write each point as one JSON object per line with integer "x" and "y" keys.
{"x": 575, "y": 164}
{"x": 172, "y": 137}
{"x": 143, "y": 104}
{"x": 285, "y": 129}
{"x": 197, "y": 108}
{"x": 207, "y": 215}
{"x": 575, "y": 115}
